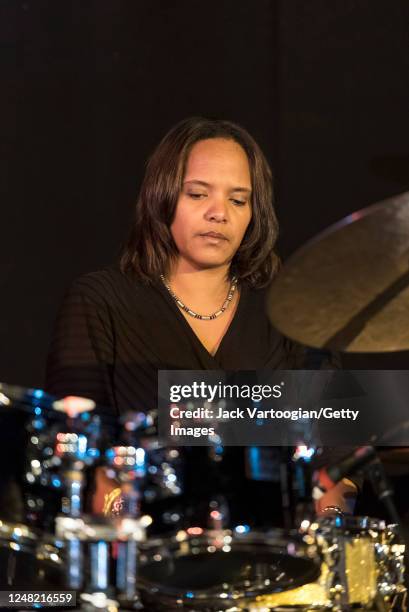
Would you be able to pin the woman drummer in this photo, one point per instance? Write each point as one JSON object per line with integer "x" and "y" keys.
{"x": 190, "y": 287}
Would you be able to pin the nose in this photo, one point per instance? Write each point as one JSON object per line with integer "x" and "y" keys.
{"x": 217, "y": 210}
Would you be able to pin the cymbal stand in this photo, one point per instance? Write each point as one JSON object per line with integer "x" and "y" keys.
{"x": 87, "y": 539}
{"x": 128, "y": 461}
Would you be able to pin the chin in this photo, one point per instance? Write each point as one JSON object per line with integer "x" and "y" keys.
{"x": 210, "y": 263}
{"x": 203, "y": 259}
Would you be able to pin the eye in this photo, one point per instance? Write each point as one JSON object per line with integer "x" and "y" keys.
{"x": 196, "y": 196}
{"x": 237, "y": 202}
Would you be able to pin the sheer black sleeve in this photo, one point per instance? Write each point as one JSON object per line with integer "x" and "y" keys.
{"x": 81, "y": 353}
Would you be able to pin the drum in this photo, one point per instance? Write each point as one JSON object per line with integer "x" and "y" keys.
{"x": 27, "y": 561}
{"x": 364, "y": 557}
{"x": 362, "y": 568}
{"x": 222, "y": 570}
{"x": 35, "y": 486}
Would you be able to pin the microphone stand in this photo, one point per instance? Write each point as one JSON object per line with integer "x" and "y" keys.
{"x": 383, "y": 489}
{"x": 303, "y": 504}
{"x": 286, "y": 490}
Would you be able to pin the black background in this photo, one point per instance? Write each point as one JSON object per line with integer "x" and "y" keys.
{"x": 88, "y": 89}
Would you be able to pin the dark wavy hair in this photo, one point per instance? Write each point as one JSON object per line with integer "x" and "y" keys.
{"x": 150, "y": 247}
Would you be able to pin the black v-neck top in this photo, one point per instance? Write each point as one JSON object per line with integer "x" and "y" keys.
{"x": 113, "y": 334}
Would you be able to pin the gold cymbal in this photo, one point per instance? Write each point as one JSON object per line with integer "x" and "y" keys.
{"x": 348, "y": 288}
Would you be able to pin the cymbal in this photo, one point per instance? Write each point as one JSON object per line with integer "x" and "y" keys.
{"x": 348, "y": 288}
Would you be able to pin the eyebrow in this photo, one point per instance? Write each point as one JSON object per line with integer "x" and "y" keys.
{"x": 204, "y": 184}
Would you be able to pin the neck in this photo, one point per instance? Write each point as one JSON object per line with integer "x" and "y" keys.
{"x": 204, "y": 284}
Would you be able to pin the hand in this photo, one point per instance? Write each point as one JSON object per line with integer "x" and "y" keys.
{"x": 342, "y": 496}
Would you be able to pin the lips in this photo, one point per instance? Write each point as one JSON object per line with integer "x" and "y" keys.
{"x": 214, "y": 235}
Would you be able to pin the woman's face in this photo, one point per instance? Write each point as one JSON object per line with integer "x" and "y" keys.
{"x": 214, "y": 208}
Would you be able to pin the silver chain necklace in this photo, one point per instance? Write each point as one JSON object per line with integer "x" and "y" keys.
{"x": 194, "y": 314}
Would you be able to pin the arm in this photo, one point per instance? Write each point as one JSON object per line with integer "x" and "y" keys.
{"x": 81, "y": 355}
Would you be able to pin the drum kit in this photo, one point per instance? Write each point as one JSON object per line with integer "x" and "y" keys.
{"x": 113, "y": 559}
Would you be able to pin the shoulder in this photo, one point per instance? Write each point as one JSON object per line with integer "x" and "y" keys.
{"x": 100, "y": 279}
{"x": 108, "y": 288}
{"x": 253, "y": 297}
{"x": 103, "y": 284}
{"x": 254, "y": 313}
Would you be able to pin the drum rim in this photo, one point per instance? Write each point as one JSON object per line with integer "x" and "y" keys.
{"x": 264, "y": 536}
{"x": 253, "y": 538}
{"x": 354, "y": 523}
{"x": 43, "y": 546}
{"x": 18, "y": 532}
